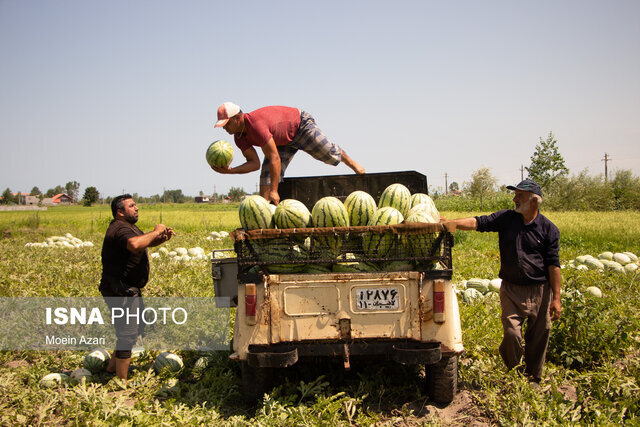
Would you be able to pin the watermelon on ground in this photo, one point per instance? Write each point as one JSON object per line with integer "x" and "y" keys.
{"x": 169, "y": 361}
{"x": 53, "y": 380}
{"x": 80, "y": 375}
{"x": 96, "y": 360}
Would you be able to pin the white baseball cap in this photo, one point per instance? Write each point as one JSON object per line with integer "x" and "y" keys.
{"x": 225, "y": 112}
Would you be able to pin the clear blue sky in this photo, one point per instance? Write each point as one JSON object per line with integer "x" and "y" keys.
{"x": 123, "y": 94}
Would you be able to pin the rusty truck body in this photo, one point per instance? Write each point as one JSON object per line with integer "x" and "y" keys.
{"x": 406, "y": 310}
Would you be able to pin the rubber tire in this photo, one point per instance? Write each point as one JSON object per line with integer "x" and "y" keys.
{"x": 255, "y": 382}
{"x": 442, "y": 380}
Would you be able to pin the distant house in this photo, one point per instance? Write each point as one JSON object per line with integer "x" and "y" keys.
{"x": 57, "y": 200}
{"x": 21, "y": 198}
{"x": 202, "y": 199}
{"x": 31, "y": 200}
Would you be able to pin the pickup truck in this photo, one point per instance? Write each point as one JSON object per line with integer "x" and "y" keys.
{"x": 406, "y": 310}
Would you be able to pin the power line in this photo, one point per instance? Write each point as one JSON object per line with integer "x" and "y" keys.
{"x": 446, "y": 186}
{"x": 606, "y": 160}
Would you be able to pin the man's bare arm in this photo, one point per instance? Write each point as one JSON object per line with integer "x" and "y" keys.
{"x": 251, "y": 164}
{"x": 271, "y": 152}
{"x": 159, "y": 235}
{"x": 555, "y": 281}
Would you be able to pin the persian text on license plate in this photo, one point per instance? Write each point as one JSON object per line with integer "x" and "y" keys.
{"x": 378, "y": 298}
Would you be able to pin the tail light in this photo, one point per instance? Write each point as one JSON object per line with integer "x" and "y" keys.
{"x": 250, "y": 307}
{"x": 438, "y": 301}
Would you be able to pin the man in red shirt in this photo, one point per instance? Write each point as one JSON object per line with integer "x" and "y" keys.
{"x": 280, "y": 132}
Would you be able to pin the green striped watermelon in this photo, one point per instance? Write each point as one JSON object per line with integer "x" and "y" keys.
{"x": 53, "y": 380}
{"x": 398, "y": 266}
{"x": 291, "y": 213}
{"x": 281, "y": 250}
{"x": 421, "y": 213}
{"x": 396, "y": 196}
{"x": 354, "y": 267}
{"x": 361, "y": 207}
{"x": 328, "y": 212}
{"x": 219, "y": 154}
{"x": 96, "y": 360}
{"x": 419, "y": 244}
{"x": 381, "y": 245}
{"x": 168, "y": 360}
{"x": 426, "y": 203}
{"x": 417, "y": 198}
{"x": 255, "y": 213}
{"x": 317, "y": 269}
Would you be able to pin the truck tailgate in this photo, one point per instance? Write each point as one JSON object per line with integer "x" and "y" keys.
{"x": 375, "y": 305}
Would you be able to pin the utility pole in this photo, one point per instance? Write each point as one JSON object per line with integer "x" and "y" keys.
{"x": 446, "y": 186}
{"x": 521, "y": 172}
{"x": 606, "y": 160}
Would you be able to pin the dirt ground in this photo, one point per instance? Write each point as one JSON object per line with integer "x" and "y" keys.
{"x": 461, "y": 412}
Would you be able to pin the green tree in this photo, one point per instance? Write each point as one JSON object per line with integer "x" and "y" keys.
{"x": 581, "y": 192}
{"x": 173, "y": 196}
{"x": 482, "y": 184}
{"x": 547, "y": 164}
{"x": 53, "y": 191}
{"x": 7, "y": 197}
{"x": 35, "y": 191}
{"x": 91, "y": 195}
{"x": 454, "y": 186}
{"x": 626, "y": 190}
{"x": 71, "y": 189}
{"x": 236, "y": 193}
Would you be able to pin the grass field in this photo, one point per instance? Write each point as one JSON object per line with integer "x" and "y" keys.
{"x": 592, "y": 375}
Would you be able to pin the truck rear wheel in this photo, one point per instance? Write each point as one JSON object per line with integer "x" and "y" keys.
{"x": 442, "y": 379}
{"x": 255, "y": 382}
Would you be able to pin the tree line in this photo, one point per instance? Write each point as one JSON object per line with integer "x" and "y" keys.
{"x": 92, "y": 195}
{"x": 562, "y": 191}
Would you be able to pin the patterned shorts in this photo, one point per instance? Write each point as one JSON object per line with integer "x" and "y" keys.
{"x": 310, "y": 139}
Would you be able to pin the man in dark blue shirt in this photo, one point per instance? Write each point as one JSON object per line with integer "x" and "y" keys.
{"x": 530, "y": 273}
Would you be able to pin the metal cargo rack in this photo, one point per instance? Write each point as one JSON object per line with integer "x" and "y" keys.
{"x": 423, "y": 245}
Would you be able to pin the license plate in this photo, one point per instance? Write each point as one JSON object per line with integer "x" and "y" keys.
{"x": 378, "y": 298}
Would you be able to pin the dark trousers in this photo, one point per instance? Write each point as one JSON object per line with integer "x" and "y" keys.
{"x": 530, "y": 302}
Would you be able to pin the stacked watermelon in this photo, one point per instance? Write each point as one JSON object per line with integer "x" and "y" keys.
{"x": 291, "y": 213}
{"x": 347, "y": 266}
{"x": 377, "y": 245}
{"x": 279, "y": 249}
{"x": 255, "y": 213}
{"x": 328, "y": 212}
{"x": 395, "y": 206}
{"x": 396, "y": 196}
{"x": 360, "y": 207}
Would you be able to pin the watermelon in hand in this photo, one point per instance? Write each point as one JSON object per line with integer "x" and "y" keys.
{"x": 219, "y": 154}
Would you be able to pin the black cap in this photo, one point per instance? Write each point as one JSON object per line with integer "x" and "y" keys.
{"x": 527, "y": 185}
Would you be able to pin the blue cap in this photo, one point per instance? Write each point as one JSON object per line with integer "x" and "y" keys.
{"x": 527, "y": 185}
